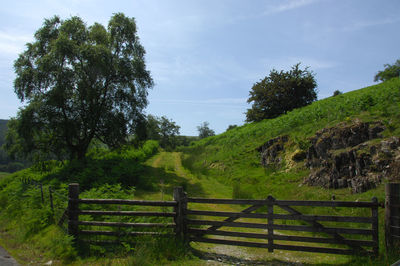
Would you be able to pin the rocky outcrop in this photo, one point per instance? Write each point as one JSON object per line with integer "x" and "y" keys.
{"x": 271, "y": 151}
{"x": 351, "y": 156}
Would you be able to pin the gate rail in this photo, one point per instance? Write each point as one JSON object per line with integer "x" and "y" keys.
{"x": 313, "y": 221}
{"x": 264, "y": 229}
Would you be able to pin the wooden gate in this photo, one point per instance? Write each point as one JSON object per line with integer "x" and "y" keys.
{"x": 269, "y": 223}
{"x": 272, "y": 221}
{"x": 116, "y": 226}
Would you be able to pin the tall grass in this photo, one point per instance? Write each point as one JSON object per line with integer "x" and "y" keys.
{"x": 232, "y": 157}
{"x": 104, "y": 174}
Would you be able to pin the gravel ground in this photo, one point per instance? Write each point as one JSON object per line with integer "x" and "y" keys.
{"x": 6, "y": 259}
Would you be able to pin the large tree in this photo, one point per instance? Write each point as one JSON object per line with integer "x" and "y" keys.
{"x": 79, "y": 83}
{"x": 281, "y": 92}
{"x": 390, "y": 71}
{"x": 205, "y": 130}
{"x": 162, "y": 129}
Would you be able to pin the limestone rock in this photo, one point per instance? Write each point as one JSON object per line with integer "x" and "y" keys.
{"x": 271, "y": 150}
{"x": 344, "y": 156}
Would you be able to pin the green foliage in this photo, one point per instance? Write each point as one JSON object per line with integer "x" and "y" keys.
{"x": 162, "y": 129}
{"x": 390, "y": 71}
{"x": 230, "y": 158}
{"x": 336, "y": 93}
{"x": 55, "y": 243}
{"x": 231, "y": 127}
{"x": 11, "y": 167}
{"x": 102, "y": 166}
{"x": 80, "y": 83}
{"x": 158, "y": 251}
{"x": 185, "y": 140}
{"x": 205, "y": 131}
{"x": 3, "y": 130}
{"x": 281, "y": 92}
{"x": 236, "y": 149}
{"x": 104, "y": 174}
{"x": 8, "y": 164}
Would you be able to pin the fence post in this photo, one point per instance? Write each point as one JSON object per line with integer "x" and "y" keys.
{"x": 375, "y": 229}
{"x": 392, "y": 216}
{"x": 73, "y": 207}
{"x": 41, "y": 192}
{"x": 51, "y": 200}
{"x": 270, "y": 223}
{"x": 180, "y": 210}
{"x": 184, "y": 217}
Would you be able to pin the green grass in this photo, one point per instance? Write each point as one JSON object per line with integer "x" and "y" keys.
{"x": 232, "y": 158}
{"x": 3, "y": 174}
{"x": 222, "y": 166}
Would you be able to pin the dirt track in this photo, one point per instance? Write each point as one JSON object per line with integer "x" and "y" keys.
{"x": 6, "y": 259}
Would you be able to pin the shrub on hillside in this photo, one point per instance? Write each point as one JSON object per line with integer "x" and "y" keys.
{"x": 103, "y": 166}
{"x": 390, "y": 71}
{"x": 281, "y": 92}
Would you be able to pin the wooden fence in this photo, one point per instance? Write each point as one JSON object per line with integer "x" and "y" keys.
{"x": 74, "y": 211}
{"x": 392, "y": 216}
{"x": 272, "y": 231}
{"x": 266, "y": 221}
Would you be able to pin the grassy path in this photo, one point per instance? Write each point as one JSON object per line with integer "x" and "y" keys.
{"x": 165, "y": 170}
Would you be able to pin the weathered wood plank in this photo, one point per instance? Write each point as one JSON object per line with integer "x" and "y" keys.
{"x": 366, "y": 243}
{"x": 101, "y": 242}
{"x": 73, "y": 208}
{"x": 112, "y": 233}
{"x": 289, "y": 209}
{"x": 200, "y": 232}
{"x": 275, "y": 246}
{"x": 311, "y": 218}
{"x": 318, "y": 203}
{"x": 229, "y": 242}
{"x": 127, "y": 202}
{"x": 231, "y": 219}
{"x": 270, "y": 226}
{"x": 127, "y": 213}
{"x": 119, "y": 224}
{"x": 392, "y": 225}
{"x": 228, "y": 214}
{"x": 329, "y": 230}
{"x": 375, "y": 229}
{"x": 227, "y": 224}
{"x": 228, "y": 201}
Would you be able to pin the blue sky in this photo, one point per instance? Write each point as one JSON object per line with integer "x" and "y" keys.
{"x": 204, "y": 56}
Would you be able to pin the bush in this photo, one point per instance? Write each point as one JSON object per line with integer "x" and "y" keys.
{"x": 281, "y": 92}
{"x": 103, "y": 166}
{"x": 390, "y": 71}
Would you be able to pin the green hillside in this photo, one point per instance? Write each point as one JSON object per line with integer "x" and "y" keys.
{"x": 222, "y": 166}
{"x": 233, "y": 159}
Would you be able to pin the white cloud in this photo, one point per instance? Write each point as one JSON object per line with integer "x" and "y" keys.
{"x": 359, "y": 25}
{"x": 217, "y": 102}
{"x": 285, "y": 63}
{"x": 12, "y": 44}
{"x": 287, "y": 5}
{"x": 213, "y": 72}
